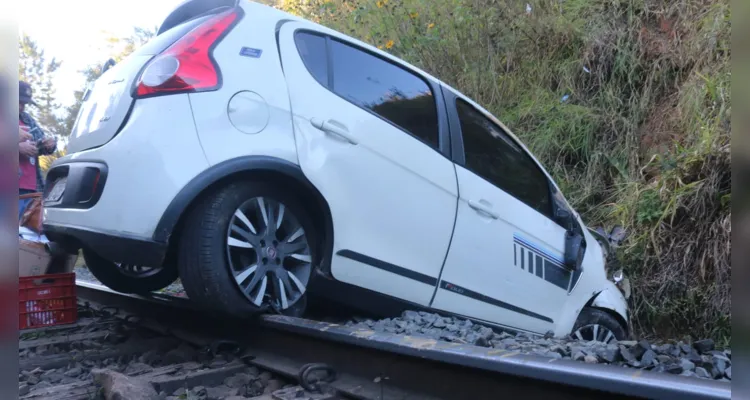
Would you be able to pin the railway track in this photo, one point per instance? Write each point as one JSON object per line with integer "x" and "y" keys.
{"x": 373, "y": 365}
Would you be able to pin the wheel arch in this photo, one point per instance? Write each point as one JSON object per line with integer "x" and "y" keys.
{"x": 612, "y": 304}
{"x": 263, "y": 168}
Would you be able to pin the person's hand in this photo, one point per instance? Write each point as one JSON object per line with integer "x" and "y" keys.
{"x": 23, "y": 135}
{"x": 28, "y": 149}
{"x": 49, "y": 143}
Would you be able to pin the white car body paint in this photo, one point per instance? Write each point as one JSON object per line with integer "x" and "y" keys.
{"x": 479, "y": 257}
{"x": 392, "y": 198}
{"x": 612, "y": 299}
{"x": 376, "y": 189}
{"x": 593, "y": 280}
{"x": 142, "y": 179}
{"x": 263, "y": 76}
{"x": 98, "y": 119}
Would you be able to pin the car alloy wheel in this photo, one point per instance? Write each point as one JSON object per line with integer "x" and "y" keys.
{"x": 128, "y": 278}
{"x": 137, "y": 271}
{"x": 594, "y": 332}
{"x": 269, "y": 254}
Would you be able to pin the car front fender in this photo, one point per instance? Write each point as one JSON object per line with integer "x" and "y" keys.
{"x": 612, "y": 299}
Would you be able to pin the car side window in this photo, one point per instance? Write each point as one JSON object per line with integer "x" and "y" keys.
{"x": 493, "y": 155}
{"x": 389, "y": 91}
{"x": 312, "y": 50}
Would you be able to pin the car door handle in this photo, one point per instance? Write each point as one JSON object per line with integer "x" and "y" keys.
{"x": 483, "y": 209}
{"x": 334, "y": 128}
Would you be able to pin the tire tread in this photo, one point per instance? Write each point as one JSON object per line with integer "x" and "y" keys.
{"x": 202, "y": 258}
{"x": 106, "y": 272}
{"x": 592, "y": 315}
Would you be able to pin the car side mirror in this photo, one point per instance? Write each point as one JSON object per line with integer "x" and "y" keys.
{"x": 575, "y": 247}
{"x": 565, "y": 218}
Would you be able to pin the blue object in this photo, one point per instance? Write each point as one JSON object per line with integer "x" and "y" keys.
{"x": 250, "y": 52}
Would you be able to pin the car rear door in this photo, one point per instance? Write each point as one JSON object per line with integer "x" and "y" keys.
{"x": 370, "y": 138}
{"x": 505, "y": 264}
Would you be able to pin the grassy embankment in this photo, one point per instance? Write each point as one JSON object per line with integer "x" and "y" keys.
{"x": 641, "y": 138}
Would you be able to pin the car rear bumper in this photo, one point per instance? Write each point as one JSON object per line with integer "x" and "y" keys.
{"x": 83, "y": 184}
{"x": 116, "y": 194}
{"x": 110, "y": 245}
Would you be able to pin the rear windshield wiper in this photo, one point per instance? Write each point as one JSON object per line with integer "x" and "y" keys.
{"x": 107, "y": 65}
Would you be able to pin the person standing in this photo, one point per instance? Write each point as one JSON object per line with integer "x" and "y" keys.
{"x": 30, "y": 148}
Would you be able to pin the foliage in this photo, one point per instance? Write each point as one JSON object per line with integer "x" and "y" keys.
{"x": 34, "y": 68}
{"x": 626, "y": 102}
{"x": 46, "y": 161}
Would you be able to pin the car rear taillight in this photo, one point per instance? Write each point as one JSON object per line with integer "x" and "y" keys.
{"x": 187, "y": 65}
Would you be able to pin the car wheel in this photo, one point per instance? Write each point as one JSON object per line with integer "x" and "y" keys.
{"x": 248, "y": 248}
{"x": 127, "y": 278}
{"x": 598, "y": 325}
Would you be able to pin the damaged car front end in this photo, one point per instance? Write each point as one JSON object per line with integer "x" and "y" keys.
{"x": 609, "y": 242}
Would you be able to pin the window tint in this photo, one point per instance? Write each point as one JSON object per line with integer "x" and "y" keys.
{"x": 493, "y": 155}
{"x": 312, "y": 49}
{"x": 385, "y": 89}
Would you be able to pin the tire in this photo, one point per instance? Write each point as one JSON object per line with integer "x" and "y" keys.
{"x": 219, "y": 274}
{"x": 128, "y": 279}
{"x": 594, "y": 317}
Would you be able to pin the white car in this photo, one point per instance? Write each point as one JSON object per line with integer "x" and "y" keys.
{"x": 258, "y": 156}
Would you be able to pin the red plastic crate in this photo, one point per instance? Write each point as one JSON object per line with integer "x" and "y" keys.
{"x": 47, "y": 300}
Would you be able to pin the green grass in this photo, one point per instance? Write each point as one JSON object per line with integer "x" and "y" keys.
{"x": 642, "y": 140}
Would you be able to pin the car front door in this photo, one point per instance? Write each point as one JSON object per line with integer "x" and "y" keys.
{"x": 370, "y": 138}
{"x": 505, "y": 264}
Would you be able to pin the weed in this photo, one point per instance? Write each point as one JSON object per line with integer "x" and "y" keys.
{"x": 650, "y": 208}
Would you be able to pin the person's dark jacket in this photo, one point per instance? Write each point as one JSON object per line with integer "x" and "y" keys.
{"x": 38, "y": 134}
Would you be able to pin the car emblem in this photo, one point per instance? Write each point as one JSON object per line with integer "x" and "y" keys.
{"x": 250, "y": 52}
{"x": 271, "y": 251}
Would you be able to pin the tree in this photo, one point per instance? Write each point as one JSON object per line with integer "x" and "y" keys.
{"x": 119, "y": 48}
{"x": 34, "y": 68}
{"x": 71, "y": 111}
{"x": 46, "y": 161}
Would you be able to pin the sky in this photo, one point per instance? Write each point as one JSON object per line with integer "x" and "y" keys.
{"x": 73, "y": 31}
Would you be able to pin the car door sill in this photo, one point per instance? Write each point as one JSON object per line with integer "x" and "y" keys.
{"x": 386, "y": 266}
{"x": 369, "y": 303}
{"x": 445, "y": 285}
{"x": 407, "y": 273}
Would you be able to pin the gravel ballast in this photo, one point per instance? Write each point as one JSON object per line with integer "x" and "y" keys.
{"x": 699, "y": 359}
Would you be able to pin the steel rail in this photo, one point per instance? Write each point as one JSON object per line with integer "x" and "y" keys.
{"x": 421, "y": 364}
